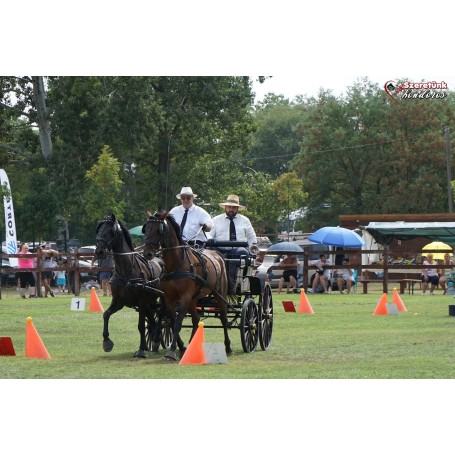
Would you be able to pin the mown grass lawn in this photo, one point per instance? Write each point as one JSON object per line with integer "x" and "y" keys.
{"x": 299, "y": 405}
{"x": 341, "y": 340}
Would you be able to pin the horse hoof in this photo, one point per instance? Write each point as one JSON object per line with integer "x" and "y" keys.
{"x": 140, "y": 354}
{"x": 108, "y": 345}
{"x": 170, "y": 356}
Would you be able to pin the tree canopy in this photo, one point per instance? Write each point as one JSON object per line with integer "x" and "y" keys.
{"x": 128, "y": 144}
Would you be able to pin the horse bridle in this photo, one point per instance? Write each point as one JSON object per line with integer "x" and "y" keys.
{"x": 163, "y": 231}
{"x": 100, "y": 230}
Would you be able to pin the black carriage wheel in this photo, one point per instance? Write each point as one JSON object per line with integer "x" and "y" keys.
{"x": 149, "y": 331}
{"x": 249, "y": 325}
{"x": 166, "y": 333}
{"x": 266, "y": 317}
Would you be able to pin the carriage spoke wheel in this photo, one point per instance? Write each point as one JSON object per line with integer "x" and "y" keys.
{"x": 265, "y": 317}
{"x": 149, "y": 325}
{"x": 249, "y": 325}
{"x": 166, "y": 333}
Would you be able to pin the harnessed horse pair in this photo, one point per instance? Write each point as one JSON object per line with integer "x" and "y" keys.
{"x": 185, "y": 280}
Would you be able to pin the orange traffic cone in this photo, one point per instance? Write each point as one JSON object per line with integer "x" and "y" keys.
{"x": 34, "y": 347}
{"x": 381, "y": 308}
{"x": 194, "y": 354}
{"x": 304, "y": 306}
{"x": 95, "y": 304}
{"x": 397, "y": 300}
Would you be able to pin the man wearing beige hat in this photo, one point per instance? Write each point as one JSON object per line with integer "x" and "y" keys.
{"x": 193, "y": 220}
{"x": 233, "y": 226}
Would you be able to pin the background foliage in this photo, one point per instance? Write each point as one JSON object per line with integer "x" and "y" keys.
{"x": 128, "y": 144}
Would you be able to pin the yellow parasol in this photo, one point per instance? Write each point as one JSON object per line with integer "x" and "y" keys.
{"x": 438, "y": 246}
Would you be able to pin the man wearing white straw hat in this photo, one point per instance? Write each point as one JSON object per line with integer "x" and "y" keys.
{"x": 233, "y": 226}
{"x": 193, "y": 220}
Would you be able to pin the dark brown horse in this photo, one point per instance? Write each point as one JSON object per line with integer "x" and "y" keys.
{"x": 189, "y": 275}
{"x": 135, "y": 283}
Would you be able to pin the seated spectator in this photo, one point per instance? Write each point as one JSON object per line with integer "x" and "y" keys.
{"x": 429, "y": 275}
{"x": 92, "y": 284}
{"x": 345, "y": 276}
{"x": 289, "y": 264}
{"x": 322, "y": 273}
{"x": 448, "y": 260}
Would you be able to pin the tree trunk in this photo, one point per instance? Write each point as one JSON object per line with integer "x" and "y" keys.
{"x": 164, "y": 158}
{"x": 43, "y": 116}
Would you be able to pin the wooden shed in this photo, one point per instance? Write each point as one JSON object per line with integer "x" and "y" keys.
{"x": 407, "y": 249}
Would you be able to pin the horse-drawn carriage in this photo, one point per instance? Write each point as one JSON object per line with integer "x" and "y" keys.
{"x": 249, "y": 306}
{"x": 193, "y": 283}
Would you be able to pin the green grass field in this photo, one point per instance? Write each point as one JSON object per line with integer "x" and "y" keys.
{"x": 342, "y": 339}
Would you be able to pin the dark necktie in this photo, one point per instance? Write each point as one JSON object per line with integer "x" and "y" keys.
{"x": 182, "y": 224}
{"x": 232, "y": 234}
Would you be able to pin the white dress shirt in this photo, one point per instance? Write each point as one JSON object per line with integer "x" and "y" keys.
{"x": 346, "y": 274}
{"x": 196, "y": 217}
{"x": 319, "y": 264}
{"x": 243, "y": 229}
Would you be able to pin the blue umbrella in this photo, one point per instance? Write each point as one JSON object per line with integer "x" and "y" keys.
{"x": 337, "y": 236}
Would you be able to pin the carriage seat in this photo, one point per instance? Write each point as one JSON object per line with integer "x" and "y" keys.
{"x": 234, "y": 252}
{"x": 232, "y": 249}
{"x": 236, "y": 256}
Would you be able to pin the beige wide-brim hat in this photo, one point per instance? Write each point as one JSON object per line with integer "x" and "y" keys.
{"x": 233, "y": 200}
{"x": 186, "y": 191}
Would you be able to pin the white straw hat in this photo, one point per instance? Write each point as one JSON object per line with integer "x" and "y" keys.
{"x": 186, "y": 191}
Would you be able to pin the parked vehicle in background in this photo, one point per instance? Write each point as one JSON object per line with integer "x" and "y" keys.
{"x": 274, "y": 271}
{"x": 84, "y": 262}
{"x": 33, "y": 245}
{"x": 8, "y": 278}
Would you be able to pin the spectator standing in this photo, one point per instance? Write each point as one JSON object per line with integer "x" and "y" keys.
{"x": 48, "y": 255}
{"x": 26, "y": 277}
{"x": 61, "y": 280}
{"x": 105, "y": 276}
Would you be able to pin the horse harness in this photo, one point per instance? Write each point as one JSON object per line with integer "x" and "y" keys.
{"x": 124, "y": 279}
{"x": 201, "y": 261}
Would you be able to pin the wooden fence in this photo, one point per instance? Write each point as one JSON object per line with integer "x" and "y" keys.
{"x": 70, "y": 265}
{"x": 403, "y": 274}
